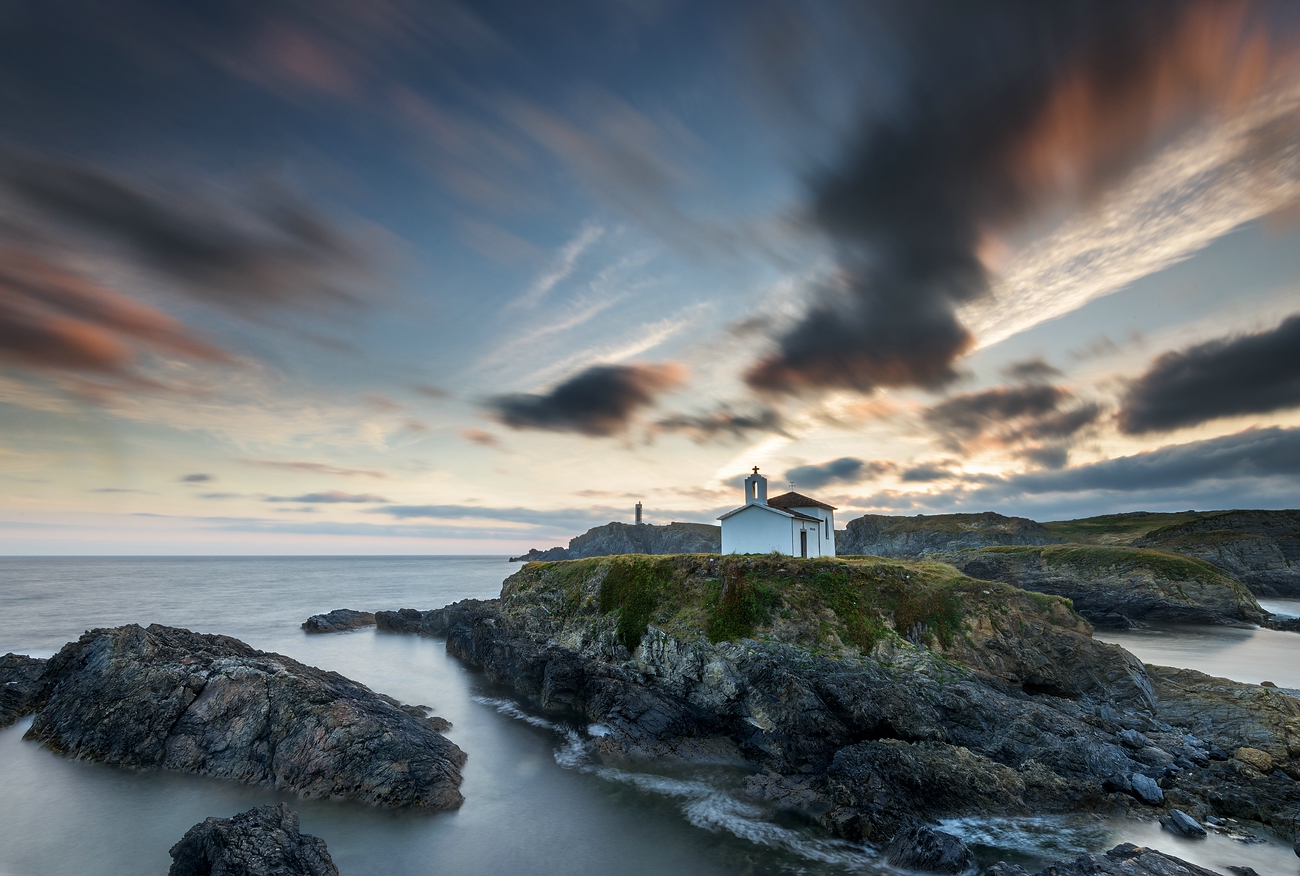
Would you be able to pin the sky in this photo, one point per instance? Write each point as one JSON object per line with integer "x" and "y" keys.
{"x": 386, "y": 276}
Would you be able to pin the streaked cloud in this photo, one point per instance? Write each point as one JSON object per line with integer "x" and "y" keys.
{"x": 330, "y": 497}
{"x": 314, "y": 468}
{"x": 597, "y": 402}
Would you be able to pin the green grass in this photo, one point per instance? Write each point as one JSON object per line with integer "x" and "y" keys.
{"x": 1175, "y": 567}
{"x": 1118, "y": 529}
{"x": 825, "y": 604}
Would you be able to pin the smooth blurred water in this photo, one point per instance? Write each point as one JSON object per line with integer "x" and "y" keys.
{"x": 537, "y": 802}
{"x": 1246, "y": 654}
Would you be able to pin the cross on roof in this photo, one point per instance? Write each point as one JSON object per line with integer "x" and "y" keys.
{"x": 755, "y": 469}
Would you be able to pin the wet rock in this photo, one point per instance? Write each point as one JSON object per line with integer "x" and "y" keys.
{"x": 1295, "y": 847}
{"x": 1133, "y": 739}
{"x": 1002, "y": 868}
{"x": 1180, "y": 822}
{"x": 1260, "y": 760}
{"x": 338, "y": 620}
{"x": 1241, "y": 871}
{"x": 1127, "y": 859}
{"x": 172, "y": 699}
{"x": 1146, "y": 789}
{"x": 928, "y": 850}
{"x": 264, "y": 841}
{"x": 20, "y": 680}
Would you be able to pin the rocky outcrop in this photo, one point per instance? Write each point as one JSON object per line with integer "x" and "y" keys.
{"x": 20, "y": 681}
{"x": 338, "y": 620}
{"x": 265, "y": 841}
{"x": 1114, "y": 586}
{"x": 1125, "y": 859}
{"x": 929, "y": 851}
{"x": 856, "y": 709}
{"x": 884, "y": 536}
{"x": 1260, "y": 548}
{"x": 172, "y": 699}
{"x": 628, "y": 538}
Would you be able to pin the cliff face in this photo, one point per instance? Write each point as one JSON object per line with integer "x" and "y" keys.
{"x": 1112, "y": 586}
{"x": 1260, "y": 548}
{"x": 885, "y": 536}
{"x": 872, "y": 694}
{"x": 627, "y": 538}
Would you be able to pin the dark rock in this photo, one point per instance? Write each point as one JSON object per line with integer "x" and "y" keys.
{"x": 172, "y": 699}
{"x": 1127, "y": 859}
{"x": 1115, "y": 586}
{"x": 885, "y": 536}
{"x": 1146, "y": 789}
{"x": 1241, "y": 871}
{"x": 630, "y": 538}
{"x": 928, "y": 850}
{"x": 1259, "y": 548}
{"x": 260, "y": 842}
{"x": 547, "y": 556}
{"x": 1133, "y": 739}
{"x": 1180, "y": 822}
{"x": 20, "y": 681}
{"x": 338, "y": 620}
{"x": 1002, "y": 868}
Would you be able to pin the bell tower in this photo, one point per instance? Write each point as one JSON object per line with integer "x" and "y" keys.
{"x": 756, "y": 489}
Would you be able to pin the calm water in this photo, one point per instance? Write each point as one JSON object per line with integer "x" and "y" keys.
{"x": 536, "y": 802}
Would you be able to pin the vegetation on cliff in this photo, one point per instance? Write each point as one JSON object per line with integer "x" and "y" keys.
{"x": 829, "y": 604}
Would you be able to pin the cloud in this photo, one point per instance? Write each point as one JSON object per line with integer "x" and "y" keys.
{"x": 53, "y": 319}
{"x": 1245, "y": 374}
{"x": 722, "y": 423}
{"x": 197, "y": 478}
{"x": 482, "y": 437}
{"x": 315, "y": 468}
{"x": 599, "y": 401}
{"x": 1031, "y": 370}
{"x": 115, "y": 490}
{"x": 845, "y": 470}
{"x": 973, "y": 144}
{"x": 578, "y": 519}
{"x": 430, "y": 391}
{"x": 329, "y": 497}
{"x": 1027, "y": 417}
{"x": 563, "y": 265}
{"x": 276, "y": 252}
{"x": 1254, "y": 453}
{"x": 927, "y": 472}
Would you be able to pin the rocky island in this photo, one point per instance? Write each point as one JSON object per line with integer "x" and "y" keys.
{"x": 167, "y": 698}
{"x": 875, "y": 695}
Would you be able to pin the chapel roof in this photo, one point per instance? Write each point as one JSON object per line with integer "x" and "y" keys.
{"x": 797, "y": 500}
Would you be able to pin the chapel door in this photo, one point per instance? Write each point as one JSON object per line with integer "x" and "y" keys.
{"x": 803, "y": 543}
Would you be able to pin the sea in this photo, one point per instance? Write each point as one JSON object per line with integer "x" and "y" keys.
{"x": 537, "y": 800}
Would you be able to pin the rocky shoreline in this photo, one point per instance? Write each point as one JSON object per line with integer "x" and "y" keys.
{"x": 1018, "y": 711}
{"x": 167, "y": 698}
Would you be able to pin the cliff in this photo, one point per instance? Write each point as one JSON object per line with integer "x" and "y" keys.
{"x": 1259, "y": 548}
{"x": 869, "y": 694}
{"x": 628, "y": 538}
{"x": 1114, "y": 586}
{"x": 885, "y": 536}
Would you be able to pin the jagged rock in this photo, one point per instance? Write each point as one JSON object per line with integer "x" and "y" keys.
{"x": 338, "y": 620}
{"x": 20, "y": 680}
{"x": 547, "y": 556}
{"x": 1180, "y": 822}
{"x": 1002, "y": 868}
{"x": 1133, "y": 739}
{"x": 264, "y": 841}
{"x": 169, "y": 698}
{"x": 630, "y": 538}
{"x": 885, "y": 536}
{"x": 1260, "y": 760}
{"x": 1295, "y": 847}
{"x": 1127, "y": 859}
{"x": 1260, "y": 548}
{"x": 1106, "y": 583}
{"x": 928, "y": 850}
{"x": 1241, "y": 871}
{"x": 1146, "y": 789}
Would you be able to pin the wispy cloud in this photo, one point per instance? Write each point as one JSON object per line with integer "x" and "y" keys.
{"x": 330, "y": 497}
{"x": 562, "y": 266}
{"x": 314, "y": 468}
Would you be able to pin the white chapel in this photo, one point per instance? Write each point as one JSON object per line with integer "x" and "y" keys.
{"x": 789, "y": 524}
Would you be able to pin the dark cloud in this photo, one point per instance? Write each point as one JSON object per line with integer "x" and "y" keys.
{"x": 1027, "y": 417}
{"x": 315, "y": 468}
{"x": 52, "y": 318}
{"x": 965, "y": 417}
{"x": 599, "y": 401}
{"x": 1001, "y": 109}
{"x": 197, "y": 478}
{"x": 1255, "y": 453}
{"x": 1049, "y": 456}
{"x": 277, "y": 252}
{"x": 1031, "y": 370}
{"x": 330, "y": 497}
{"x": 1246, "y": 374}
{"x": 845, "y": 470}
{"x": 723, "y": 423}
{"x": 927, "y": 472}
